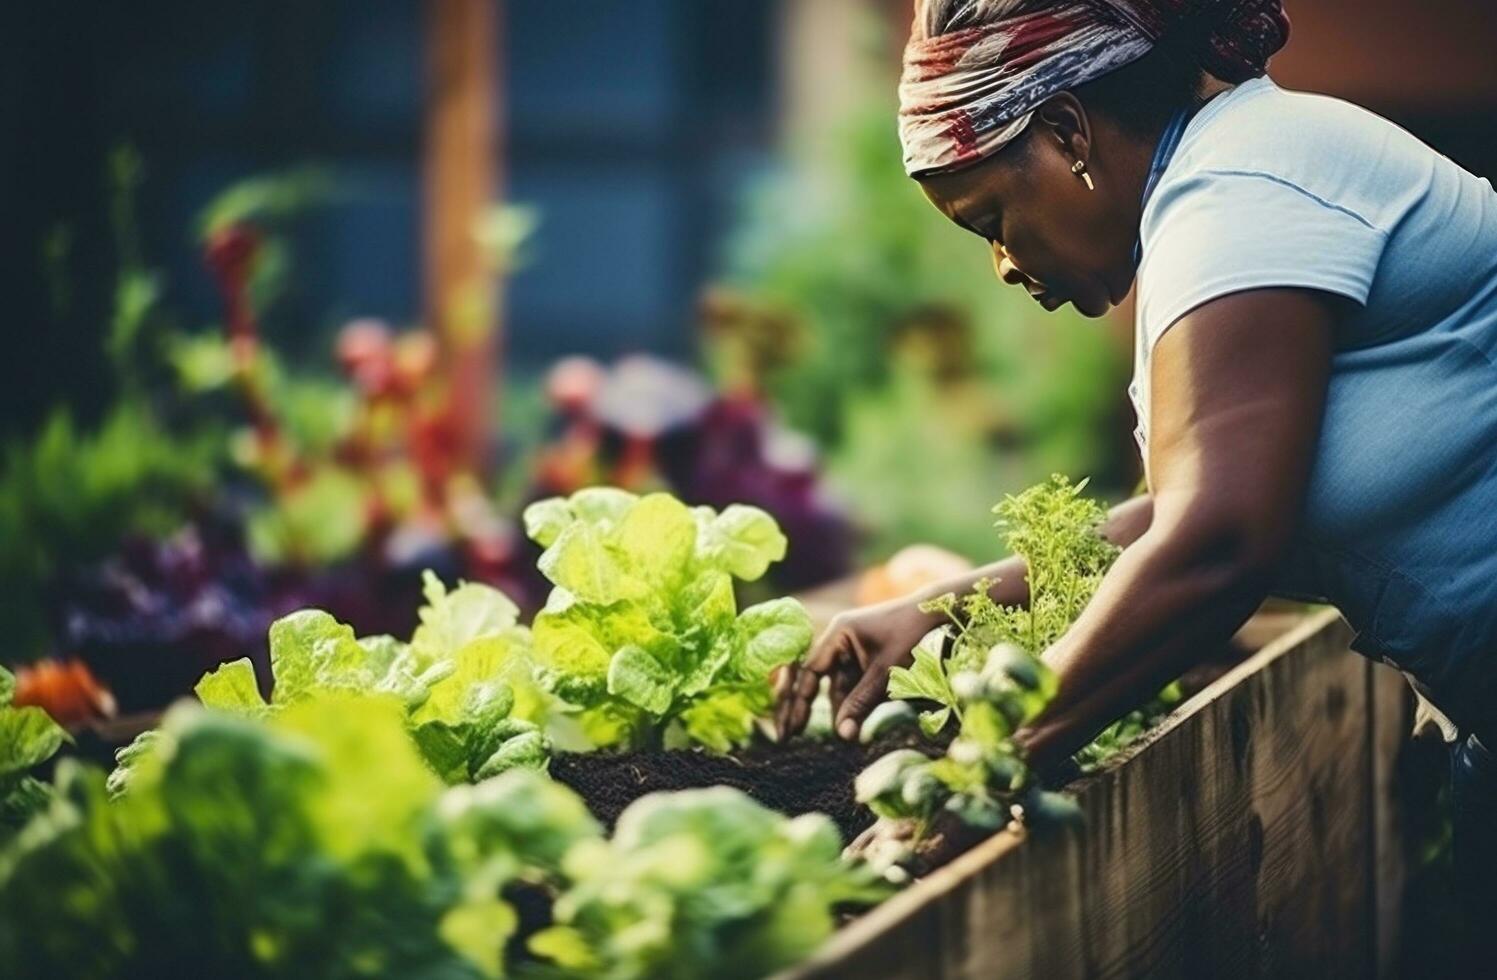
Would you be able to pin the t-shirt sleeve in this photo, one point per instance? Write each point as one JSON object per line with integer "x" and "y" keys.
{"x": 1221, "y": 232}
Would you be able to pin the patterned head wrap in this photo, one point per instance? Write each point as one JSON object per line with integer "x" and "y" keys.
{"x": 975, "y": 70}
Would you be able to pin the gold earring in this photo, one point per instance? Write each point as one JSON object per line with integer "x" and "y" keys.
{"x": 1080, "y": 171}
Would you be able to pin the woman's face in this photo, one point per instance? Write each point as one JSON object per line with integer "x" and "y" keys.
{"x": 1049, "y": 233}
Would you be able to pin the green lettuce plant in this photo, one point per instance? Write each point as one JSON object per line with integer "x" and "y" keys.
{"x": 464, "y": 681}
{"x": 313, "y": 842}
{"x": 28, "y": 738}
{"x": 701, "y": 883}
{"x": 642, "y": 635}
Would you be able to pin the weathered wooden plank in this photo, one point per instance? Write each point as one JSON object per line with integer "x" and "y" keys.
{"x": 1392, "y": 715}
{"x": 1235, "y": 841}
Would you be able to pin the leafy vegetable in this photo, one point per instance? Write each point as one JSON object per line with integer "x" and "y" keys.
{"x": 701, "y": 883}
{"x": 925, "y": 679}
{"x": 992, "y": 682}
{"x": 28, "y": 737}
{"x": 464, "y": 681}
{"x": 982, "y": 777}
{"x": 1129, "y": 728}
{"x": 642, "y": 633}
{"x": 885, "y": 718}
{"x": 1057, "y": 531}
{"x": 312, "y": 843}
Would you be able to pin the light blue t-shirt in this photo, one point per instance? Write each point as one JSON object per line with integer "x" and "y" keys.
{"x": 1271, "y": 188}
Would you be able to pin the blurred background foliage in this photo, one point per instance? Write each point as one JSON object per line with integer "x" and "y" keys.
{"x": 931, "y": 388}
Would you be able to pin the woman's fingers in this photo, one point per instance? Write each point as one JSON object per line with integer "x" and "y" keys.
{"x": 795, "y": 703}
{"x": 870, "y": 692}
{"x": 785, "y": 697}
{"x": 841, "y": 681}
{"x": 799, "y": 687}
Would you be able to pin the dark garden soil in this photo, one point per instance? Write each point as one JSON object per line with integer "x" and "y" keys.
{"x": 804, "y": 776}
{"x": 532, "y": 904}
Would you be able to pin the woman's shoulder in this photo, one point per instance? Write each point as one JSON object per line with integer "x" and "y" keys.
{"x": 1333, "y": 151}
{"x": 1270, "y": 189}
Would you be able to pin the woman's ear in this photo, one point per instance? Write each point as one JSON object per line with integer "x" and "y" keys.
{"x": 1063, "y": 123}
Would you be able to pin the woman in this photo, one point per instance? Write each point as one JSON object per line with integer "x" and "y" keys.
{"x": 1316, "y": 333}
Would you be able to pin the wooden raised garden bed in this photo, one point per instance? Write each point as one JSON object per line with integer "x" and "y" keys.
{"x": 1253, "y": 833}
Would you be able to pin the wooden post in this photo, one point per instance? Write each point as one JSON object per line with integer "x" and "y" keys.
{"x": 460, "y": 178}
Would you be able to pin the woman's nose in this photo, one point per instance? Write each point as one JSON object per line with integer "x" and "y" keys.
{"x": 1005, "y": 268}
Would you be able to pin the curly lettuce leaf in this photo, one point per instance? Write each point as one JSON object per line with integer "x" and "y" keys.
{"x": 581, "y": 562}
{"x": 28, "y": 737}
{"x": 467, "y": 672}
{"x": 602, "y": 507}
{"x": 743, "y": 541}
{"x": 456, "y": 744}
{"x": 702, "y": 883}
{"x": 452, "y": 620}
{"x": 656, "y": 540}
{"x": 310, "y": 650}
{"x": 774, "y": 633}
{"x": 524, "y": 750}
{"x": 546, "y": 519}
{"x": 643, "y": 681}
{"x": 573, "y": 647}
{"x": 641, "y": 635}
{"x": 520, "y": 814}
{"x": 724, "y": 719}
{"x": 232, "y": 687}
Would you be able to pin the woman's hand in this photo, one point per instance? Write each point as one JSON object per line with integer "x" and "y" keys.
{"x": 860, "y": 647}
{"x": 856, "y": 652}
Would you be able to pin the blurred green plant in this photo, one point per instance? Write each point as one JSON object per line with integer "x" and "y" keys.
{"x": 898, "y": 351}
{"x": 269, "y": 202}
{"x": 28, "y": 738}
{"x": 69, "y": 494}
{"x": 463, "y": 681}
{"x": 312, "y": 843}
{"x": 701, "y": 883}
{"x": 69, "y": 497}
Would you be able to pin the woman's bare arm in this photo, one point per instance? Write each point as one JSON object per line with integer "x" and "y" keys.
{"x": 1238, "y": 394}
{"x": 860, "y": 647}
